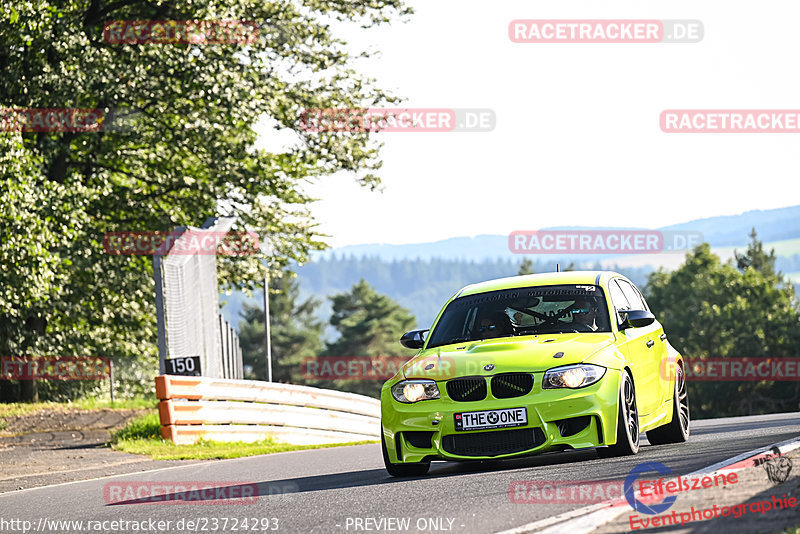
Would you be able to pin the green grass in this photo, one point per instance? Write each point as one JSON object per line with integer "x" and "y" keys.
{"x": 158, "y": 449}
{"x": 143, "y": 436}
{"x": 144, "y": 427}
{"x": 25, "y": 408}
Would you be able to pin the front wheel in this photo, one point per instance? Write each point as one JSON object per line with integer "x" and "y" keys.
{"x": 677, "y": 430}
{"x": 403, "y": 470}
{"x": 627, "y": 422}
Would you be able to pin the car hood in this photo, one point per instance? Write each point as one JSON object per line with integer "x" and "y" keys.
{"x": 489, "y": 357}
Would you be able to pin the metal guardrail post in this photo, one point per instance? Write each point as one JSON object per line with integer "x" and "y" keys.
{"x": 111, "y": 378}
{"x": 266, "y": 327}
{"x": 161, "y": 323}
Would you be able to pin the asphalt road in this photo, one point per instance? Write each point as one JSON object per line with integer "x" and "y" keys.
{"x": 347, "y": 490}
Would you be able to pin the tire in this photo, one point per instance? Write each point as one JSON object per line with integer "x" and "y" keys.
{"x": 627, "y": 422}
{"x": 403, "y": 470}
{"x": 677, "y": 430}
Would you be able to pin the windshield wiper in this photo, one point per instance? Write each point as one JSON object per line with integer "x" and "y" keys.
{"x": 558, "y": 331}
{"x": 536, "y": 330}
{"x": 526, "y": 330}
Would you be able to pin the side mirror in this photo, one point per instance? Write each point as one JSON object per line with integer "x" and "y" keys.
{"x": 636, "y": 319}
{"x": 413, "y": 339}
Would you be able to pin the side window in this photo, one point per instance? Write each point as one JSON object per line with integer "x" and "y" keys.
{"x": 617, "y": 298}
{"x": 646, "y": 307}
{"x": 632, "y": 294}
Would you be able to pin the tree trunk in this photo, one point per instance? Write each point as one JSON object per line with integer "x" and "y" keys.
{"x": 29, "y": 390}
{"x": 8, "y": 391}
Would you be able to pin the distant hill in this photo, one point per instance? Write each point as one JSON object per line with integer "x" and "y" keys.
{"x": 729, "y": 230}
{"x": 421, "y": 277}
{"x": 422, "y": 286}
{"x": 419, "y": 285}
{"x": 732, "y": 230}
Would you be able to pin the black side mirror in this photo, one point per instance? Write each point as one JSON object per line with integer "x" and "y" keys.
{"x": 413, "y": 339}
{"x": 636, "y": 319}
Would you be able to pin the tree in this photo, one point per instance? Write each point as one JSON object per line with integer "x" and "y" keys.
{"x": 295, "y": 332}
{"x": 184, "y": 153}
{"x": 710, "y": 309}
{"x": 31, "y": 275}
{"x": 756, "y": 258}
{"x": 525, "y": 267}
{"x": 369, "y": 324}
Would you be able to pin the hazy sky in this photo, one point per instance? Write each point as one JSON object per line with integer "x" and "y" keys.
{"x": 577, "y": 140}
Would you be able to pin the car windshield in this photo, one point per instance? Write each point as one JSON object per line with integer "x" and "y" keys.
{"x": 522, "y": 311}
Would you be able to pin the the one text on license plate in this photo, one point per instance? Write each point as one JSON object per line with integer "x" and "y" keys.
{"x": 491, "y": 419}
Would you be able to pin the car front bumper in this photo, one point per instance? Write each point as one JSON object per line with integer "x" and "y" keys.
{"x": 557, "y": 419}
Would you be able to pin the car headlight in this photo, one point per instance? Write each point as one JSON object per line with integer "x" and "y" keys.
{"x": 409, "y": 391}
{"x": 573, "y": 376}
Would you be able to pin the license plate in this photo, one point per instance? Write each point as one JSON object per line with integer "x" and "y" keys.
{"x": 491, "y": 419}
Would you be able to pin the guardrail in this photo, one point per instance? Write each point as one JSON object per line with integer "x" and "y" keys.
{"x": 193, "y": 408}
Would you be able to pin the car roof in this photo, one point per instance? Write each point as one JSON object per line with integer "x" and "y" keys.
{"x": 540, "y": 279}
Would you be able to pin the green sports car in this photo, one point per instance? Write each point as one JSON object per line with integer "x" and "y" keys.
{"x": 530, "y": 364}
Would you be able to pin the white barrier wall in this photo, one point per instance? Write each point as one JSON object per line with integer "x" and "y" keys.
{"x": 194, "y": 408}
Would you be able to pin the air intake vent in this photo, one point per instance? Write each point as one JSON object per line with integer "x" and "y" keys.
{"x": 570, "y": 427}
{"x": 493, "y": 443}
{"x": 419, "y": 439}
{"x": 467, "y": 389}
{"x": 508, "y": 385}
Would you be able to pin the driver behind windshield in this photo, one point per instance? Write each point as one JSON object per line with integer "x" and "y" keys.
{"x": 584, "y": 314}
{"x": 494, "y": 324}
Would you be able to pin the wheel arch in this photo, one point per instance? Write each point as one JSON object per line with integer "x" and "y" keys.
{"x": 610, "y": 423}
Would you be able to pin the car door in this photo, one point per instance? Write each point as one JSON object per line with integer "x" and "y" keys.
{"x": 646, "y": 351}
{"x": 626, "y": 340}
{"x": 665, "y": 371}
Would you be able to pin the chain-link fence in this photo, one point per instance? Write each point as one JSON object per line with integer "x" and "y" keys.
{"x": 190, "y": 328}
